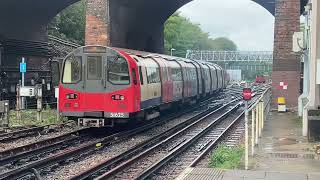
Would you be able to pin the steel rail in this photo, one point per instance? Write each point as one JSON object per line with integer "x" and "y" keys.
{"x": 131, "y": 152}
{"x": 40, "y": 164}
{"x": 144, "y": 153}
{"x": 20, "y": 133}
{"x": 214, "y": 143}
{"x": 36, "y": 148}
{"x": 181, "y": 148}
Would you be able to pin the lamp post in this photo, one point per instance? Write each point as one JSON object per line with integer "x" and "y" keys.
{"x": 172, "y": 49}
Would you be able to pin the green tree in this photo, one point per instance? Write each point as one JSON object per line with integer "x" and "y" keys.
{"x": 181, "y": 34}
{"x": 70, "y": 23}
{"x": 223, "y": 44}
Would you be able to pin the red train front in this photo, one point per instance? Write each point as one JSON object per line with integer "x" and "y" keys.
{"x": 97, "y": 85}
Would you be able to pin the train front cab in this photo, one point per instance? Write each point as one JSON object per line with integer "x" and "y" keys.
{"x": 99, "y": 86}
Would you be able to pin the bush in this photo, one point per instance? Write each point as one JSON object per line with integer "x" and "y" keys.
{"x": 226, "y": 158}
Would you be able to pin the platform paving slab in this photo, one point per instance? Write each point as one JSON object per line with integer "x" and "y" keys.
{"x": 282, "y": 154}
{"x": 218, "y": 174}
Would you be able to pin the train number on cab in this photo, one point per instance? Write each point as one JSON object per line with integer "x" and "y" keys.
{"x": 118, "y": 115}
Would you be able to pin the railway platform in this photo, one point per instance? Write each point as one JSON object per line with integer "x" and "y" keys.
{"x": 283, "y": 153}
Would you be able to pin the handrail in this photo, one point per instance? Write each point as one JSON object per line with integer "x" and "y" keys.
{"x": 259, "y": 99}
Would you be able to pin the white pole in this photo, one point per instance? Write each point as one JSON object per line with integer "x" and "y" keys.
{"x": 246, "y": 137}
{"x": 262, "y": 111}
{"x": 257, "y": 124}
{"x": 252, "y": 132}
{"x": 260, "y": 119}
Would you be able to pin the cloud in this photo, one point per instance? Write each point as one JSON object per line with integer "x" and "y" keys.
{"x": 248, "y": 24}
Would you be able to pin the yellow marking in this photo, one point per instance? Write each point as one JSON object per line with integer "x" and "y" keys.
{"x": 281, "y": 100}
{"x": 98, "y": 145}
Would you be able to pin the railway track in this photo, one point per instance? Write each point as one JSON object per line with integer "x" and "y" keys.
{"x": 190, "y": 153}
{"x": 82, "y": 150}
{"x": 6, "y": 137}
{"x": 31, "y": 152}
{"x": 128, "y": 164}
{"x": 130, "y": 167}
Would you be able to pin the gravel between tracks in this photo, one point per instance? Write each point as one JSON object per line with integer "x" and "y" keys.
{"x": 58, "y": 131}
{"x": 174, "y": 167}
{"x": 66, "y": 172}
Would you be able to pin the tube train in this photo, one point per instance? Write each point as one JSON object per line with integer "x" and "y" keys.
{"x": 101, "y": 86}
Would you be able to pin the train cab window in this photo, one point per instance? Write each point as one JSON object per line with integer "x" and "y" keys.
{"x": 94, "y": 67}
{"x": 72, "y": 70}
{"x": 153, "y": 75}
{"x": 118, "y": 71}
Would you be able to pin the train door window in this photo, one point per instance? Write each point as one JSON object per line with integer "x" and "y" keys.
{"x": 118, "y": 71}
{"x": 141, "y": 76}
{"x": 72, "y": 70}
{"x": 94, "y": 67}
{"x": 134, "y": 77}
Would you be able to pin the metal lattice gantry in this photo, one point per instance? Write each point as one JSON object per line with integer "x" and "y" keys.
{"x": 231, "y": 56}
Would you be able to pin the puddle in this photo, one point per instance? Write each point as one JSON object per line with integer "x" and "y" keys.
{"x": 286, "y": 141}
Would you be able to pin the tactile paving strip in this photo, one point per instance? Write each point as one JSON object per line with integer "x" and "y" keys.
{"x": 205, "y": 173}
{"x": 291, "y": 155}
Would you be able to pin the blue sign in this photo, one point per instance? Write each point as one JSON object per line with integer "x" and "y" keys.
{"x": 23, "y": 67}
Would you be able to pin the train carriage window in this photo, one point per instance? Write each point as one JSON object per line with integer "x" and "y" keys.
{"x": 118, "y": 71}
{"x": 153, "y": 75}
{"x": 176, "y": 74}
{"x": 72, "y": 70}
{"x": 94, "y": 67}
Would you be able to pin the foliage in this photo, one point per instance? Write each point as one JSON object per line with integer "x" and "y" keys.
{"x": 182, "y": 35}
{"x": 70, "y": 23}
{"x": 29, "y": 117}
{"x": 226, "y": 158}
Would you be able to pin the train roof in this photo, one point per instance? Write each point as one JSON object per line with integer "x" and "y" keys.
{"x": 144, "y": 54}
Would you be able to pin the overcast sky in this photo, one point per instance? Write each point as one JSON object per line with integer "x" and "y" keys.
{"x": 248, "y": 24}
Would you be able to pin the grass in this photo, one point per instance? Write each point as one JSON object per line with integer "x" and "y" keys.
{"x": 29, "y": 118}
{"x": 226, "y": 158}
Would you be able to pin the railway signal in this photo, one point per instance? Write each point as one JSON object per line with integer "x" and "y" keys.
{"x": 247, "y": 94}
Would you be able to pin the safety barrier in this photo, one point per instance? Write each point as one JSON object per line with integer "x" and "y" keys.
{"x": 256, "y": 115}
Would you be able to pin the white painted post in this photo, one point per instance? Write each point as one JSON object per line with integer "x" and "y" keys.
{"x": 257, "y": 124}
{"x": 246, "y": 137}
{"x": 262, "y": 111}
{"x": 260, "y": 119}
{"x": 56, "y": 94}
{"x": 252, "y": 132}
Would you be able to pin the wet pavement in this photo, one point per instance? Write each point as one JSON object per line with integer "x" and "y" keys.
{"x": 283, "y": 153}
{"x": 283, "y": 148}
